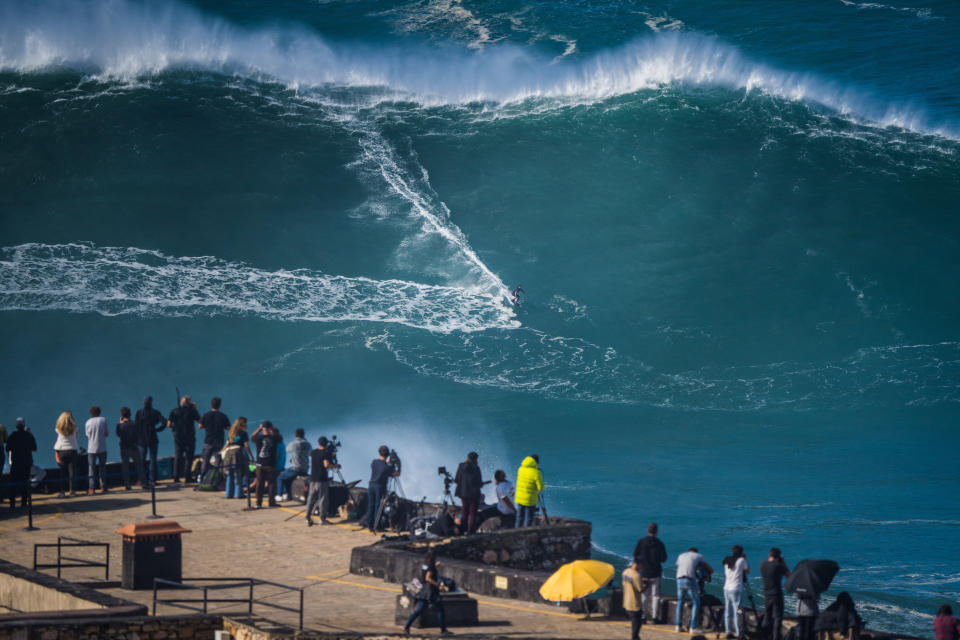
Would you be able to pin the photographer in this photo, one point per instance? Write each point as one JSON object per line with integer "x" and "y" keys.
{"x": 469, "y": 489}
{"x": 429, "y": 593}
{"x": 381, "y": 470}
{"x": 266, "y": 438}
{"x": 321, "y": 459}
{"x": 773, "y": 570}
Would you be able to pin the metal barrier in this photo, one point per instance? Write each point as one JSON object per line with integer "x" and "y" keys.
{"x": 227, "y": 583}
{"x": 77, "y": 562}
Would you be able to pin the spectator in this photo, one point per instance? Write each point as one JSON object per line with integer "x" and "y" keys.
{"x": 147, "y": 420}
{"x": 97, "y": 432}
{"x": 66, "y": 450}
{"x": 529, "y": 486}
{"x": 429, "y": 593}
{"x": 773, "y": 571}
{"x": 650, "y": 554}
{"x": 735, "y": 570}
{"x": 236, "y": 458}
{"x": 633, "y": 598}
{"x": 298, "y": 463}
{"x": 380, "y": 472}
{"x": 181, "y": 423}
{"x": 687, "y": 587}
{"x": 20, "y": 445}
{"x": 267, "y": 439}
{"x": 3, "y": 447}
{"x": 945, "y": 626}
{"x": 320, "y": 462}
{"x": 213, "y": 423}
{"x": 807, "y": 609}
{"x": 129, "y": 439}
{"x": 469, "y": 489}
{"x": 505, "y": 507}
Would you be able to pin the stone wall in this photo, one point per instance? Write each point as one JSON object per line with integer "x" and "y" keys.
{"x": 190, "y": 627}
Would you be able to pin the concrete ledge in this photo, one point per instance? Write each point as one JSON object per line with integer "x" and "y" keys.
{"x": 187, "y": 627}
{"x": 22, "y": 587}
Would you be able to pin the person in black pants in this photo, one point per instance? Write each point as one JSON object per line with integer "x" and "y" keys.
{"x": 429, "y": 594}
{"x": 773, "y": 570}
{"x": 147, "y": 420}
{"x": 181, "y": 423}
{"x": 380, "y": 472}
{"x": 20, "y": 445}
{"x": 214, "y": 424}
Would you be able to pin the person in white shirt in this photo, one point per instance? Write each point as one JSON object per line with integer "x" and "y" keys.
{"x": 508, "y": 512}
{"x": 97, "y": 432}
{"x": 687, "y": 586}
{"x": 66, "y": 450}
{"x": 735, "y": 568}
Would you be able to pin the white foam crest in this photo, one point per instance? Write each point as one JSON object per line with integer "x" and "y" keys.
{"x": 119, "y": 39}
{"x": 118, "y": 281}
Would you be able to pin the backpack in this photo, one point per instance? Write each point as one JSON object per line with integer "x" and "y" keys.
{"x": 211, "y": 481}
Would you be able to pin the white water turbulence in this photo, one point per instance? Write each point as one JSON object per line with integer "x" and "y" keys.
{"x": 115, "y": 39}
{"x": 116, "y": 281}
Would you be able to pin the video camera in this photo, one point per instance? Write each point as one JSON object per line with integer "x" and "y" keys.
{"x": 394, "y": 460}
{"x": 447, "y": 479}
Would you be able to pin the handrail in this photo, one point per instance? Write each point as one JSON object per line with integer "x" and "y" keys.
{"x": 76, "y": 562}
{"x": 231, "y": 583}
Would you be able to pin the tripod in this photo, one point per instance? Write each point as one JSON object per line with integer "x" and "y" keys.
{"x": 394, "y": 490}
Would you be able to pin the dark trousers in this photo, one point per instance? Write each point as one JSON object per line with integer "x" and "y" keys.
{"x": 469, "y": 514}
{"x": 126, "y": 455}
{"x": 805, "y": 625}
{"x": 150, "y": 452}
{"x": 636, "y": 621}
{"x": 773, "y": 615}
{"x": 266, "y": 483}
{"x": 97, "y": 470}
{"x": 68, "y": 469}
{"x": 375, "y": 495}
{"x": 319, "y": 492}
{"x": 183, "y": 459}
{"x": 207, "y": 451}
{"x": 441, "y": 614}
{"x": 20, "y": 481}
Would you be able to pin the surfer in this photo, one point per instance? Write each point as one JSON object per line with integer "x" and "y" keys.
{"x": 516, "y": 294}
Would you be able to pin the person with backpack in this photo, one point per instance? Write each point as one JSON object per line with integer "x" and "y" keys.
{"x": 147, "y": 420}
{"x": 735, "y": 570}
{"x": 181, "y": 421}
{"x": 429, "y": 594}
{"x": 267, "y": 439}
{"x": 129, "y": 440}
{"x": 236, "y": 455}
{"x": 529, "y": 486}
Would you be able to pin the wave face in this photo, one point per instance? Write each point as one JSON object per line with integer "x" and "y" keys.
{"x": 736, "y": 229}
{"x": 122, "y": 40}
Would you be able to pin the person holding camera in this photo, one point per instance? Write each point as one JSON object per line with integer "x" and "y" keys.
{"x": 773, "y": 571}
{"x": 688, "y": 563}
{"x": 321, "y": 459}
{"x": 381, "y": 470}
{"x": 735, "y": 570}
{"x": 267, "y": 439}
{"x": 429, "y": 593}
{"x": 470, "y": 489}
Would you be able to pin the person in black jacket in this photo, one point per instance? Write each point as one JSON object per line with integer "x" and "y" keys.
{"x": 214, "y": 424}
{"x": 181, "y": 423}
{"x": 20, "y": 445}
{"x": 267, "y": 439}
{"x": 469, "y": 489}
{"x": 147, "y": 420}
{"x": 129, "y": 438}
{"x": 429, "y": 593}
{"x": 650, "y": 554}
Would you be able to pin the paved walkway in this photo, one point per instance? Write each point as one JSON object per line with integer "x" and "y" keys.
{"x": 276, "y": 545}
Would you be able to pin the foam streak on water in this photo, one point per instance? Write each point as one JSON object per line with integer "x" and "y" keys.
{"x": 116, "y": 281}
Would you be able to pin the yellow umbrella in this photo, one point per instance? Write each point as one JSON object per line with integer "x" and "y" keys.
{"x": 576, "y": 579}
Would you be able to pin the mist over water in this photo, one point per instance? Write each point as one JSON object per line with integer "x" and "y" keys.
{"x": 736, "y": 231}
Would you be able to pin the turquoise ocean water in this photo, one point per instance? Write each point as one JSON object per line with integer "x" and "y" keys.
{"x": 736, "y": 224}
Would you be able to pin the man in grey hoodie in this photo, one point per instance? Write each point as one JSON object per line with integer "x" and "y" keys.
{"x": 298, "y": 464}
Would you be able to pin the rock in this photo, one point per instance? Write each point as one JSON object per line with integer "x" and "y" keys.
{"x": 504, "y": 556}
{"x": 489, "y": 556}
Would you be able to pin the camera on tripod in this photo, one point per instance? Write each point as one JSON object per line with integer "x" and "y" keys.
{"x": 333, "y": 445}
{"x": 394, "y": 460}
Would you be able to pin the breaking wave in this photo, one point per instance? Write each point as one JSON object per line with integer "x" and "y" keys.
{"x": 118, "y": 39}
{"x": 116, "y": 281}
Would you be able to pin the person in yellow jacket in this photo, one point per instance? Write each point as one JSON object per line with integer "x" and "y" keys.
{"x": 529, "y": 486}
{"x": 632, "y": 590}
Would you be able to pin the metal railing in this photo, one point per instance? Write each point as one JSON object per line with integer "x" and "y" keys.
{"x": 72, "y": 563}
{"x": 201, "y": 604}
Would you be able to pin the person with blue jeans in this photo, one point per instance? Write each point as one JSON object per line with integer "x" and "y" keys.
{"x": 735, "y": 568}
{"x": 687, "y": 587}
{"x": 380, "y": 472}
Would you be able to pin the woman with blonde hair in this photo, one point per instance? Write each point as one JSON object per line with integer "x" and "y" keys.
{"x": 236, "y": 456}
{"x": 66, "y": 449}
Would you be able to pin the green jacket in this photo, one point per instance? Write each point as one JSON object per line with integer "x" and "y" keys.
{"x": 529, "y": 483}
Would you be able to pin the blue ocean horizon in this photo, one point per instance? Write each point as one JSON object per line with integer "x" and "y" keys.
{"x": 735, "y": 225}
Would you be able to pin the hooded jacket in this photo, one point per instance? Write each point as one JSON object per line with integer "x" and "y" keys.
{"x": 529, "y": 483}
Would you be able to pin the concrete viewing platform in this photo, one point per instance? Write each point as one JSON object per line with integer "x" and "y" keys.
{"x": 272, "y": 544}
